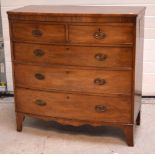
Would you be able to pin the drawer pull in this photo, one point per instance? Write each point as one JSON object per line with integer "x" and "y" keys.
{"x": 99, "y": 81}
{"x": 99, "y": 35}
{"x": 39, "y": 76}
{"x": 38, "y": 52}
{"x": 36, "y": 33}
{"x": 40, "y": 102}
{"x": 100, "y": 108}
{"x": 100, "y": 57}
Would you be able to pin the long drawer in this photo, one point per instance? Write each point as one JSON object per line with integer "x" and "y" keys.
{"x": 74, "y": 55}
{"x": 101, "y": 34}
{"x": 73, "y": 79}
{"x": 38, "y": 32}
{"x": 73, "y": 106}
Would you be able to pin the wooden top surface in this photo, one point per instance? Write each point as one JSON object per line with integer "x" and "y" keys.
{"x": 79, "y": 10}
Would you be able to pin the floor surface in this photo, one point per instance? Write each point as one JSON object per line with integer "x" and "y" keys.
{"x": 49, "y": 137}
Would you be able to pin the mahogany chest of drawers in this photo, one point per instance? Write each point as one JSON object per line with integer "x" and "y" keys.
{"x": 78, "y": 65}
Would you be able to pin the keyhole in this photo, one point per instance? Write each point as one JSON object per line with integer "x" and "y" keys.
{"x": 67, "y": 72}
{"x": 68, "y": 97}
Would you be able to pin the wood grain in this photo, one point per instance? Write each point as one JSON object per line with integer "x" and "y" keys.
{"x": 74, "y": 55}
{"x": 62, "y": 78}
{"x": 50, "y": 33}
{"x": 74, "y": 106}
{"x": 113, "y": 34}
{"x": 79, "y": 10}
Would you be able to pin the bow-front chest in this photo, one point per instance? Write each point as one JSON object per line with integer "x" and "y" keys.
{"x": 78, "y": 64}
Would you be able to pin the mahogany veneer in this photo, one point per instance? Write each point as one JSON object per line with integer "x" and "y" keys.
{"x": 78, "y": 64}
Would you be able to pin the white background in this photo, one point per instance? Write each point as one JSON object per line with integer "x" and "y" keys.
{"x": 149, "y": 43}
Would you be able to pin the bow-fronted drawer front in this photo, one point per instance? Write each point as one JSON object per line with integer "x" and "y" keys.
{"x": 73, "y": 55}
{"x": 101, "y": 34}
{"x": 38, "y": 32}
{"x": 74, "y": 106}
{"x": 73, "y": 79}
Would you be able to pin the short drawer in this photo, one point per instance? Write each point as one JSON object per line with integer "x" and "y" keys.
{"x": 74, "y": 55}
{"x": 38, "y": 32}
{"x": 101, "y": 34}
{"x": 74, "y": 106}
{"x": 73, "y": 79}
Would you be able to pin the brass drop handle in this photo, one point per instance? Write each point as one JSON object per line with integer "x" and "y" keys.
{"x": 99, "y": 81}
{"x": 40, "y": 102}
{"x": 100, "y": 57}
{"x": 99, "y": 35}
{"x": 100, "y": 108}
{"x": 36, "y": 33}
{"x": 39, "y": 76}
{"x": 38, "y": 52}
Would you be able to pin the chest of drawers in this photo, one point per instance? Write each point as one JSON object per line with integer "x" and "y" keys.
{"x": 78, "y": 65}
